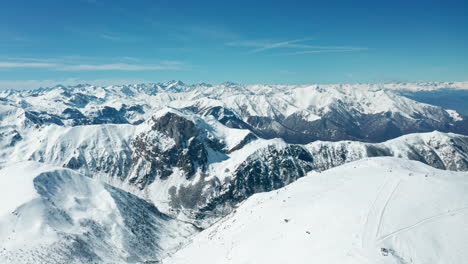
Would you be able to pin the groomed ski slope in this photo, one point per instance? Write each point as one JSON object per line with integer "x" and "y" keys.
{"x": 418, "y": 214}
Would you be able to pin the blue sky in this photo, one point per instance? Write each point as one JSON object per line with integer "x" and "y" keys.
{"x": 46, "y": 42}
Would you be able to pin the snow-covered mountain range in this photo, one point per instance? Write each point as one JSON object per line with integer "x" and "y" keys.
{"x": 297, "y": 114}
{"x": 170, "y": 159}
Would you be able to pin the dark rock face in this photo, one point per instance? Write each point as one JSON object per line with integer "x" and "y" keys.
{"x": 264, "y": 172}
{"x": 188, "y": 148}
{"x": 249, "y": 138}
{"x": 43, "y": 118}
{"x": 118, "y": 165}
{"x": 75, "y": 116}
{"x": 439, "y": 153}
{"x": 194, "y": 195}
{"x": 9, "y": 137}
{"x": 79, "y": 100}
{"x": 336, "y": 126}
{"x": 176, "y": 127}
{"x": 225, "y": 117}
{"x": 109, "y": 115}
{"x": 273, "y": 171}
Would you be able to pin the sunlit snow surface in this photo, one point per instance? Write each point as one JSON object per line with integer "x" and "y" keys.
{"x": 418, "y": 214}
{"x": 55, "y": 215}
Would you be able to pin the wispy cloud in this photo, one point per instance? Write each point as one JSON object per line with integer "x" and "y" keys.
{"x": 295, "y": 44}
{"x": 276, "y": 45}
{"x": 9, "y": 65}
{"x": 110, "y": 37}
{"x": 341, "y": 49}
{"x": 59, "y": 64}
{"x": 118, "y": 67}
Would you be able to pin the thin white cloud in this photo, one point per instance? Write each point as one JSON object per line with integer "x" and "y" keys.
{"x": 9, "y": 65}
{"x": 117, "y": 67}
{"x": 344, "y": 49}
{"x": 248, "y": 43}
{"x": 171, "y": 62}
{"x": 297, "y": 44}
{"x": 261, "y": 45}
{"x": 277, "y": 45}
{"x": 58, "y": 65}
{"x": 110, "y": 37}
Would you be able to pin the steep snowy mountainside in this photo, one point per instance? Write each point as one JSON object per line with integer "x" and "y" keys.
{"x": 87, "y": 149}
{"x": 194, "y": 167}
{"x": 109, "y": 153}
{"x": 296, "y": 113}
{"x": 378, "y": 210}
{"x": 440, "y": 150}
{"x": 55, "y": 215}
{"x": 301, "y": 114}
{"x": 181, "y": 162}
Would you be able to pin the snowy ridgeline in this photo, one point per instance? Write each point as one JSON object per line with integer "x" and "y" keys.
{"x": 55, "y": 215}
{"x": 379, "y": 210}
{"x": 295, "y": 113}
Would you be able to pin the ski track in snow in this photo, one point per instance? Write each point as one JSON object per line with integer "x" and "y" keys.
{"x": 423, "y": 221}
{"x": 373, "y": 220}
{"x": 382, "y": 212}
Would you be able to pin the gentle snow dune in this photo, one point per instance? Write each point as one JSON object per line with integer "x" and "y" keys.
{"x": 55, "y": 215}
{"x": 346, "y": 215}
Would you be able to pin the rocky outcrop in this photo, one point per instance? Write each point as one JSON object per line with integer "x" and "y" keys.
{"x": 172, "y": 142}
{"x": 439, "y": 150}
{"x": 265, "y": 170}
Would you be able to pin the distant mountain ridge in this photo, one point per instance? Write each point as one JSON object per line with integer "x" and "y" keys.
{"x": 297, "y": 114}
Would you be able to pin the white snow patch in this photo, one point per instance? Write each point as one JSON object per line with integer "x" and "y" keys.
{"x": 454, "y": 115}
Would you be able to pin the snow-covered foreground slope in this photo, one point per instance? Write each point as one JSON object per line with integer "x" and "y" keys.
{"x": 378, "y": 210}
{"x": 55, "y": 215}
